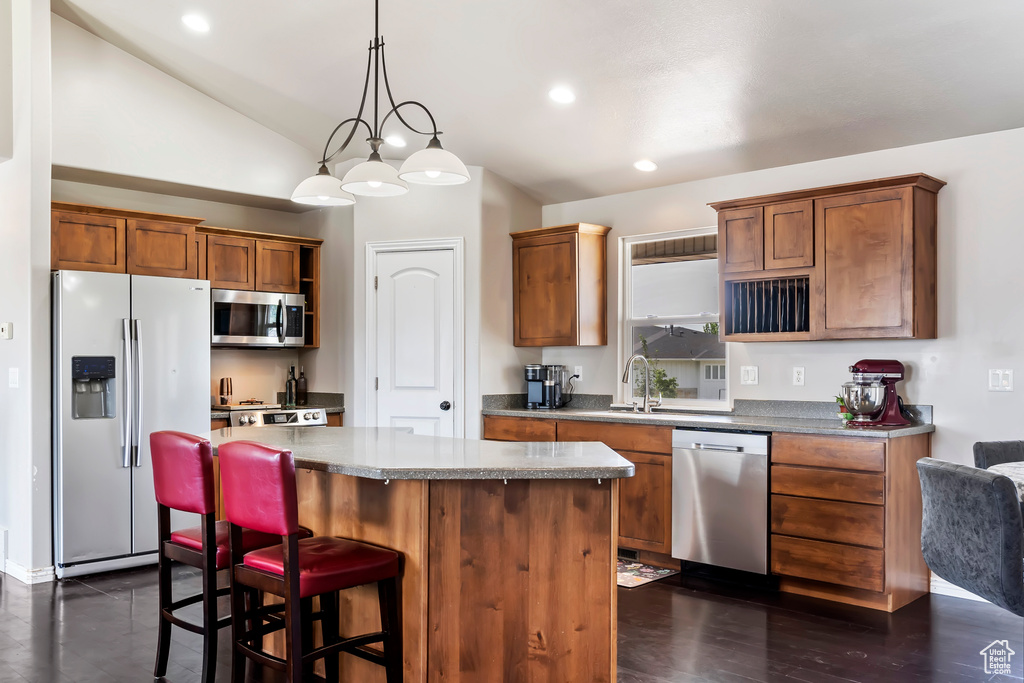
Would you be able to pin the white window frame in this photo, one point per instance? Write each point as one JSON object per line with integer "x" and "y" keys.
{"x": 626, "y": 321}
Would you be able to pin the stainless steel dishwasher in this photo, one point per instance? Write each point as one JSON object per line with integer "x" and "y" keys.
{"x": 720, "y": 499}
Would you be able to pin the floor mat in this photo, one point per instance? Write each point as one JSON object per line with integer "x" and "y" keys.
{"x": 633, "y": 574}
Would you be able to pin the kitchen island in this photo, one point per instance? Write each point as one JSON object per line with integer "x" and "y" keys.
{"x": 508, "y": 549}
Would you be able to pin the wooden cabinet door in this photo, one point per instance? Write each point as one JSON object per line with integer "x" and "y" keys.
{"x": 161, "y": 249}
{"x": 200, "y": 242}
{"x": 741, "y": 240}
{"x": 497, "y": 428}
{"x": 864, "y": 245}
{"x": 231, "y": 262}
{"x": 645, "y": 503}
{"x": 81, "y": 241}
{"x": 789, "y": 235}
{"x": 544, "y": 271}
{"x": 277, "y": 267}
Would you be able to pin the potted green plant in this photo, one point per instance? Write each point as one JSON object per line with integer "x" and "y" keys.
{"x": 844, "y": 412}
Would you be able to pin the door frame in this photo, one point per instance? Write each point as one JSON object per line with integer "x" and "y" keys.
{"x": 457, "y": 246}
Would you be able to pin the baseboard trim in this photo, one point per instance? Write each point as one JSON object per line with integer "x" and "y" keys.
{"x": 940, "y": 586}
{"x": 28, "y": 576}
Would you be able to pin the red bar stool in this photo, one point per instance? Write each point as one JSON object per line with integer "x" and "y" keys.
{"x": 258, "y": 485}
{"x": 183, "y": 480}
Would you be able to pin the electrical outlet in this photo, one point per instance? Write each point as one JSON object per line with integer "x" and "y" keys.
{"x": 1000, "y": 380}
{"x": 12, "y": 378}
{"x": 748, "y": 374}
{"x": 6, "y": 330}
{"x": 798, "y": 377}
{"x": 578, "y": 371}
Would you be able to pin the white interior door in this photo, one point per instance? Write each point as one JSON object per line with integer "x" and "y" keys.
{"x": 415, "y": 349}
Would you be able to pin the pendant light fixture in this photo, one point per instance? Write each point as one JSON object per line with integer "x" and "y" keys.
{"x": 375, "y": 178}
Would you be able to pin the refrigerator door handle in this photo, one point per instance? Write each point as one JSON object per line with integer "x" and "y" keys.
{"x": 126, "y": 410}
{"x": 139, "y": 373}
{"x": 281, "y": 319}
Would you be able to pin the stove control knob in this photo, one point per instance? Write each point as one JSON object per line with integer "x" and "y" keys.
{"x": 249, "y": 419}
{"x": 307, "y": 416}
{"x": 316, "y": 416}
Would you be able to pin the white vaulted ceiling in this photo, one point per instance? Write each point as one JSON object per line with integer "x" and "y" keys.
{"x": 704, "y": 88}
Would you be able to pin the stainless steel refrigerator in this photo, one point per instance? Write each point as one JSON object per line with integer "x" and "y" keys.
{"x": 131, "y": 355}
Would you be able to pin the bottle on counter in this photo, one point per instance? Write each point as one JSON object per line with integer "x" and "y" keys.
{"x": 289, "y": 387}
{"x": 301, "y": 394}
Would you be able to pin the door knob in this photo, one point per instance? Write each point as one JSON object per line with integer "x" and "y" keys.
{"x": 445, "y": 405}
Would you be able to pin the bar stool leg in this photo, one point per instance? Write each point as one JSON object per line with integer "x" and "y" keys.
{"x": 210, "y": 624}
{"x": 163, "y": 648}
{"x": 329, "y": 625}
{"x": 387, "y": 593}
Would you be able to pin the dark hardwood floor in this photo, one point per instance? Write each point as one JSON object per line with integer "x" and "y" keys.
{"x": 103, "y": 629}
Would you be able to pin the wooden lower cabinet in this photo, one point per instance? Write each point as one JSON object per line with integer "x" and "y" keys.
{"x": 335, "y": 419}
{"x": 846, "y": 518}
{"x": 219, "y": 423}
{"x": 645, "y": 499}
{"x": 645, "y": 503}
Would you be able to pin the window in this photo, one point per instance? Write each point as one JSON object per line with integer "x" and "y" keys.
{"x": 670, "y": 287}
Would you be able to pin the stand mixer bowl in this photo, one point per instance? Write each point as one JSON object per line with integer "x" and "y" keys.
{"x": 864, "y": 399}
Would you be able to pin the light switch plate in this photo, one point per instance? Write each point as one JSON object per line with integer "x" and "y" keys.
{"x": 6, "y": 330}
{"x": 798, "y": 377}
{"x": 748, "y": 374}
{"x": 1000, "y": 380}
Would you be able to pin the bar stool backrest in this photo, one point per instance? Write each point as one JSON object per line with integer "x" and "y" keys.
{"x": 183, "y": 472}
{"x": 258, "y": 483}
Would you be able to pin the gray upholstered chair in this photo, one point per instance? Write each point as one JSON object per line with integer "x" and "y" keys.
{"x": 988, "y": 453}
{"x": 971, "y": 533}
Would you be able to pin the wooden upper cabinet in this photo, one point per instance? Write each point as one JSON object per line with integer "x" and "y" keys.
{"x": 112, "y": 240}
{"x": 83, "y": 241}
{"x": 741, "y": 239}
{"x": 231, "y": 262}
{"x": 277, "y": 267}
{"x": 789, "y": 235}
{"x": 871, "y": 283}
{"x": 860, "y": 258}
{"x": 559, "y": 286}
{"x": 161, "y": 249}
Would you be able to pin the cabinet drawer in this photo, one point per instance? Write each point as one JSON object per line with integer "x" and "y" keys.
{"x": 619, "y": 437}
{"x": 828, "y": 520}
{"x": 829, "y": 451}
{"x": 518, "y": 429}
{"x": 845, "y": 565}
{"x": 811, "y": 482}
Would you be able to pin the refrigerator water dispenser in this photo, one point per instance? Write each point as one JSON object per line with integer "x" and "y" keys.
{"x": 92, "y": 387}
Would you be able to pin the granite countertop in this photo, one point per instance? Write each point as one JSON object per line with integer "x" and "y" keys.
{"x": 383, "y": 453}
{"x": 720, "y": 421}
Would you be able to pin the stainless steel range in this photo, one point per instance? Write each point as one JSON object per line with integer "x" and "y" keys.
{"x": 279, "y": 417}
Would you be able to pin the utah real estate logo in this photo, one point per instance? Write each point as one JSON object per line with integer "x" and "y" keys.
{"x": 997, "y": 657}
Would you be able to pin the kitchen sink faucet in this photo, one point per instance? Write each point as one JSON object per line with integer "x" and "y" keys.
{"x": 648, "y": 402}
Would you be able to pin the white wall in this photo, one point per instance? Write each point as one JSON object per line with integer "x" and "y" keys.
{"x": 980, "y": 242}
{"x": 6, "y": 93}
{"x": 113, "y": 113}
{"x": 24, "y": 285}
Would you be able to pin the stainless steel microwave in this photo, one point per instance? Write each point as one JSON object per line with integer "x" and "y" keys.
{"x": 257, "y": 319}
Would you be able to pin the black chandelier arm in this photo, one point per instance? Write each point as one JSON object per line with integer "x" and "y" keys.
{"x": 358, "y": 118}
{"x": 395, "y": 107}
{"x": 405, "y": 123}
{"x": 354, "y": 120}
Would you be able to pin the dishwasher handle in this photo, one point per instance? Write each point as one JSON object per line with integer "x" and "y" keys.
{"x": 716, "y": 447}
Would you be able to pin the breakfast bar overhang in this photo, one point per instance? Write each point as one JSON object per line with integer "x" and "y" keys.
{"x": 509, "y": 549}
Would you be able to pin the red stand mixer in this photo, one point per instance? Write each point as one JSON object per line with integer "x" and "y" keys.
{"x": 871, "y": 396}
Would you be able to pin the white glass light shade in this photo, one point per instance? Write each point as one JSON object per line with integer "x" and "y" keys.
{"x": 374, "y": 179}
{"x": 434, "y": 166}
{"x": 322, "y": 190}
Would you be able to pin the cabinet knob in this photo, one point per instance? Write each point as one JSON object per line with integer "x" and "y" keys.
{"x": 445, "y": 405}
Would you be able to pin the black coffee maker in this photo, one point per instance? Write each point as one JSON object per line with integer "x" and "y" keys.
{"x": 544, "y": 386}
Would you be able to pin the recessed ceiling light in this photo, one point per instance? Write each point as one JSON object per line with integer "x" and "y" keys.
{"x": 394, "y": 141}
{"x": 562, "y": 95}
{"x": 645, "y": 165}
{"x": 196, "y": 23}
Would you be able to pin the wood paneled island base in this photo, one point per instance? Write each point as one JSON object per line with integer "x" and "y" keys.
{"x": 500, "y": 582}
{"x": 509, "y": 549}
